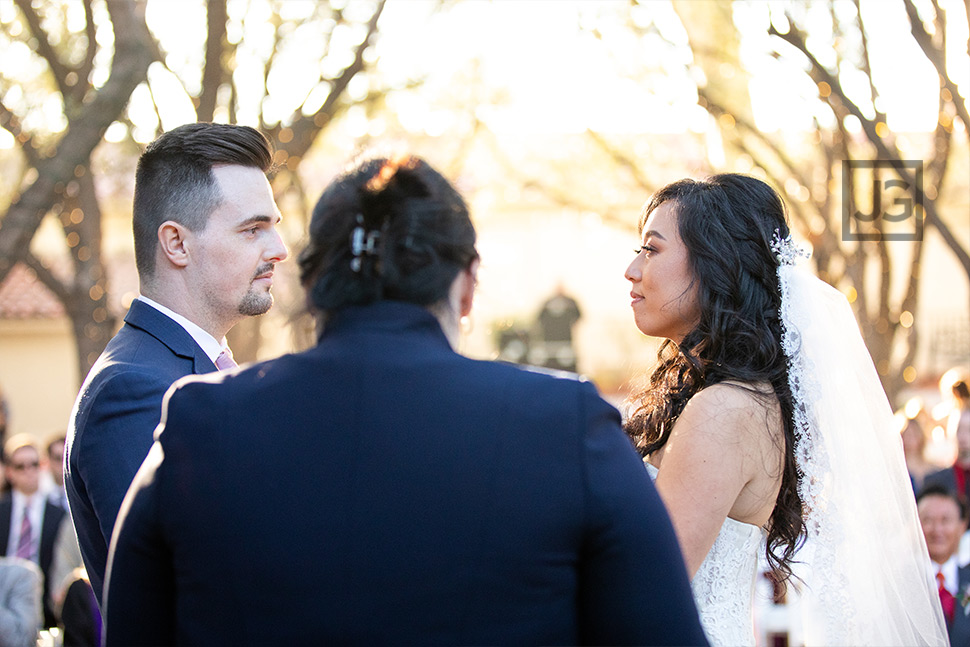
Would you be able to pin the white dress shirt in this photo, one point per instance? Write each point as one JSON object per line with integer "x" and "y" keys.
{"x": 950, "y": 569}
{"x": 35, "y": 512}
{"x": 206, "y": 342}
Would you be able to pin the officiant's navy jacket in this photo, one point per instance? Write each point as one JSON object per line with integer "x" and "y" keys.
{"x": 381, "y": 488}
{"x": 114, "y": 419}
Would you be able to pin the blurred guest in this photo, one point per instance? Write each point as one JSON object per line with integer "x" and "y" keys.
{"x": 55, "y": 466}
{"x": 954, "y": 392}
{"x": 28, "y": 521}
{"x": 80, "y": 615}
{"x": 914, "y": 439}
{"x": 956, "y": 478}
{"x": 441, "y": 499}
{"x": 20, "y": 607}
{"x": 4, "y": 421}
{"x": 3, "y": 418}
{"x": 959, "y": 416}
{"x": 943, "y": 517}
{"x": 65, "y": 566}
{"x": 555, "y": 322}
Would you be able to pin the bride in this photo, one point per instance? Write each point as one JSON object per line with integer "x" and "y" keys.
{"x": 765, "y": 424}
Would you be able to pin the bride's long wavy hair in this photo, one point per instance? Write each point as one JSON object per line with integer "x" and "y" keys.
{"x": 727, "y": 223}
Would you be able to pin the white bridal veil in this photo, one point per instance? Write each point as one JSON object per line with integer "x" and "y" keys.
{"x": 866, "y": 579}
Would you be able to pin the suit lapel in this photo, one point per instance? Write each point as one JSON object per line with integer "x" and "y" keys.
{"x": 169, "y": 332}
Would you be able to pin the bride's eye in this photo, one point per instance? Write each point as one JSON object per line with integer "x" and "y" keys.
{"x": 643, "y": 248}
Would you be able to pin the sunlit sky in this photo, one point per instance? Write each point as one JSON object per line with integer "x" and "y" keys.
{"x": 560, "y": 79}
{"x": 540, "y": 67}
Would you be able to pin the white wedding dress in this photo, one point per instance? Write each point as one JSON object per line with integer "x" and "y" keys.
{"x": 724, "y": 584}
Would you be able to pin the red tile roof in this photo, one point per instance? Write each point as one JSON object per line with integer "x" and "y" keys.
{"x": 23, "y": 296}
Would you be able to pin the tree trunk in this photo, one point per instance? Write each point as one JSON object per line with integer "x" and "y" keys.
{"x": 129, "y": 67}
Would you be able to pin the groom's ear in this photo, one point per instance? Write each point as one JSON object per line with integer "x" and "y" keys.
{"x": 172, "y": 247}
{"x": 469, "y": 279}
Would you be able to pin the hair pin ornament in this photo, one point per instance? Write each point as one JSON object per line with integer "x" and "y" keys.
{"x": 785, "y": 249}
{"x": 362, "y": 242}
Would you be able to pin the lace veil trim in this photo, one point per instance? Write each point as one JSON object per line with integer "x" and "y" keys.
{"x": 867, "y": 578}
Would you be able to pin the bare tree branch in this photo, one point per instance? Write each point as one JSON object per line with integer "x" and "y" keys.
{"x": 966, "y": 5}
{"x": 10, "y": 122}
{"x": 158, "y": 111}
{"x": 305, "y": 129}
{"x": 214, "y": 73}
{"x": 83, "y": 72}
{"x": 44, "y": 47}
{"x": 45, "y": 276}
{"x": 827, "y": 239}
{"x": 866, "y": 62}
{"x": 938, "y": 58}
{"x": 86, "y": 129}
{"x": 555, "y": 193}
{"x": 267, "y": 68}
{"x": 796, "y": 39}
{"x": 624, "y": 161}
{"x": 233, "y": 98}
{"x": 908, "y": 304}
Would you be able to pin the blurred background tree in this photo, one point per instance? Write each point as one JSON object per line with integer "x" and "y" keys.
{"x": 707, "y": 42}
{"x": 284, "y": 67}
{"x": 556, "y": 122}
{"x": 58, "y": 101}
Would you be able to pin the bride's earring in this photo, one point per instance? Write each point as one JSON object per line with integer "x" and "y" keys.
{"x": 466, "y": 325}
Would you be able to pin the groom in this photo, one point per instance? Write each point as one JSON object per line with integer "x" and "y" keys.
{"x": 205, "y": 245}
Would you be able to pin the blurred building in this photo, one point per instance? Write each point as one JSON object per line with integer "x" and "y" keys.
{"x": 38, "y": 370}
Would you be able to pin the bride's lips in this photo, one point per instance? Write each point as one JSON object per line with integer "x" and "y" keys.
{"x": 637, "y": 298}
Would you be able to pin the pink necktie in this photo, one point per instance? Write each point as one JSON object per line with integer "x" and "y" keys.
{"x": 25, "y": 543}
{"x": 224, "y": 361}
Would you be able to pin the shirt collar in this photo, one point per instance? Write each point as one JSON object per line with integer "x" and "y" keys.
{"x": 950, "y": 569}
{"x": 206, "y": 342}
{"x": 19, "y": 501}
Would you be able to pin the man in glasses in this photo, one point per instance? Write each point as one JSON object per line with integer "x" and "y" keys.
{"x": 28, "y": 520}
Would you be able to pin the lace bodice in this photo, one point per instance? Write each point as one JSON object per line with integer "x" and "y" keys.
{"x": 724, "y": 584}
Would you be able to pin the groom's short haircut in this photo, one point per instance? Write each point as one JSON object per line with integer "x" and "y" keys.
{"x": 946, "y": 493}
{"x": 174, "y": 179}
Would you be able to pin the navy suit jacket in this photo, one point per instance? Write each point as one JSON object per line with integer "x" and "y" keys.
{"x": 53, "y": 515}
{"x": 381, "y": 488}
{"x": 959, "y": 629}
{"x": 113, "y": 422}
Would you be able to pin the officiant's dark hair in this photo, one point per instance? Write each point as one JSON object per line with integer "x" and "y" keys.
{"x": 387, "y": 229}
{"x": 727, "y": 223}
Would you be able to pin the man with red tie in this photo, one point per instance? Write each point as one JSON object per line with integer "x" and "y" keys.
{"x": 28, "y": 521}
{"x": 943, "y": 517}
{"x": 206, "y": 243}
